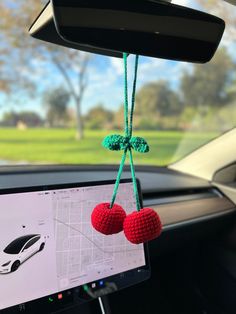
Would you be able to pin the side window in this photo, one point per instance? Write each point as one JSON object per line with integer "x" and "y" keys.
{"x": 31, "y": 242}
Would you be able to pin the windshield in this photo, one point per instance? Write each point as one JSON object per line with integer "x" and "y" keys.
{"x": 57, "y": 104}
{"x": 16, "y": 246}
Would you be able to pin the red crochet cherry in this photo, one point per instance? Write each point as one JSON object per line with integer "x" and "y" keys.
{"x": 108, "y": 220}
{"x": 142, "y": 226}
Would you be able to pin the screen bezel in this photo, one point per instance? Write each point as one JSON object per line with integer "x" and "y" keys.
{"x": 40, "y": 304}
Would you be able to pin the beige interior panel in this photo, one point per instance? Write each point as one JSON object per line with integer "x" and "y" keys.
{"x": 42, "y": 19}
{"x": 205, "y": 161}
{"x": 229, "y": 191}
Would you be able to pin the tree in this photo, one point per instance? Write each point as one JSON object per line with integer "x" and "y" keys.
{"x": 157, "y": 98}
{"x": 224, "y": 10}
{"x": 119, "y": 118}
{"x": 29, "y": 118}
{"x": 228, "y": 13}
{"x": 21, "y": 56}
{"x": 99, "y": 118}
{"x": 56, "y": 103}
{"x": 9, "y": 119}
{"x": 208, "y": 84}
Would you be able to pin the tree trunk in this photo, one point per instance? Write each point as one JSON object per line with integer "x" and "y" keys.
{"x": 77, "y": 96}
{"x": 82, "y": 86}
{"x": 80, "y": 130}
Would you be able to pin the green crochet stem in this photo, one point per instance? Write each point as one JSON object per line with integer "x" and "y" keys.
{"x": 126, "y": 103}
{"x": 117, "y": 142}
{"x": 133, "y": 94}
{"x": 122, "y": 163}
{"x": 138, "y": 207}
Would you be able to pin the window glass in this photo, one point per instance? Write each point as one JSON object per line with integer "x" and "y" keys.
{"x": 31, "y": 242}
{"x": 15, "y": 246}
{"x": 57, "y": 104}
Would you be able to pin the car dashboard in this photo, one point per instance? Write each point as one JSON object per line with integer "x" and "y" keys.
{"x": 191, "y": 210}
{"x": 179, "y": 199}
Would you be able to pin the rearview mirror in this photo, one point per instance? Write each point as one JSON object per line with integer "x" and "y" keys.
{"x": 145, "y": 27}
{"x": 44, "y": 28}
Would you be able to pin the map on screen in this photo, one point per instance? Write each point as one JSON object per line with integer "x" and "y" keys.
{"x": 49, "y": 245}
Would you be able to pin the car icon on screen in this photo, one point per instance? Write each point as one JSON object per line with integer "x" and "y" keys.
{"x": 19, "y": 250}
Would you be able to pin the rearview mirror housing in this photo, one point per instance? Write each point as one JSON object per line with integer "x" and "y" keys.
{"x": 144, "y": 27}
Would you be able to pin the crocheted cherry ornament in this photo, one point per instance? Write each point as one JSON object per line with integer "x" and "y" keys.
{"x": 108, "y": 220}
{"x": 142, "y": 226}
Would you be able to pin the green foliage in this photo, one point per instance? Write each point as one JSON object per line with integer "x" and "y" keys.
{"x": 205, "y": 100}
{"x": 204, "y": 91}
{"x": 207, "y": 84}
{"x": 157, "y": 98}
{"x": 146, "y": 123}
{"x": 118, "y": 123}
{"x": 169, "y": 123}
{"x": 29, "y": 118}
{"x": 27, "y": 58}
{"x": 99, "y": 118}
{"x": 9, "y": 119}
{"x": 209, "y": 119}
{"x": 56, "y": 102}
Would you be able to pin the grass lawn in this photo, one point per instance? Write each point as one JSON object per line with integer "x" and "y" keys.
{"x": 59, "y": 146}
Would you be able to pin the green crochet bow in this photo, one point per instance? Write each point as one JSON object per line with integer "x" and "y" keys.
{"x": 126, "y": 143}
{"x": 119, "y": 142}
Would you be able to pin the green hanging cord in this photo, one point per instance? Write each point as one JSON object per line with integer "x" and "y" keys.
{"x": 126, "y": 119}
{"x": 136, "y": 194}
{"x": 118, "y": 142}
{"x": 138, "y": 206}
{"x": 133, "y": 96}
{"x": 127, "y": 143}
{"x": 126, "y": 100}
{"x": 118, "y": 178}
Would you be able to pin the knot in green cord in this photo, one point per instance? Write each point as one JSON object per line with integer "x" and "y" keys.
{"x": 118, "y": 142}
{"x": 125, "y": 145}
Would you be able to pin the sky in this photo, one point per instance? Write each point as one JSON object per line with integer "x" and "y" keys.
{"x": 105, "y": 79}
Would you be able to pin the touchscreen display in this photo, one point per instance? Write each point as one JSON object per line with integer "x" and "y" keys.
{"x": 47, "y": 243}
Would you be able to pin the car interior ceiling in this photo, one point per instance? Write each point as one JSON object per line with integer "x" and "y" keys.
{"x": 193, "y": 262}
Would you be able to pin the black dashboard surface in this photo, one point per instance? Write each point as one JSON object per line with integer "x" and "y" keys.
{"x": 152, "y": 178}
